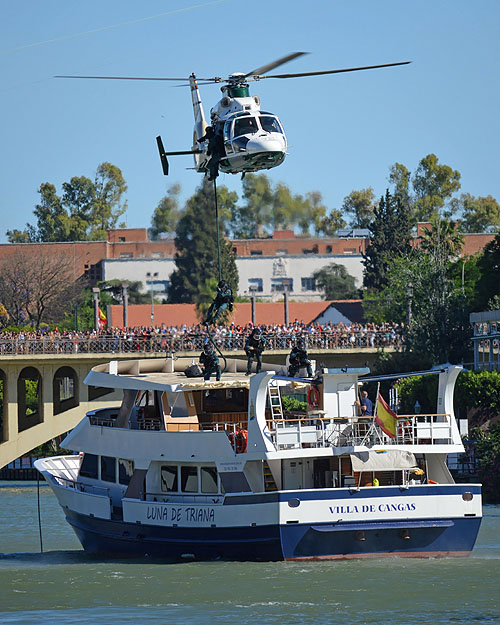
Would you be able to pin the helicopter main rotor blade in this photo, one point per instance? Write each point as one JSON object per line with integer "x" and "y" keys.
{"x": 330, "y": 71}
{"x": 267, "y": 68}
{"x": 133, "y": 78}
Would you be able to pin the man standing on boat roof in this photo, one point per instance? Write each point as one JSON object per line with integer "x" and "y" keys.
{"x": 299, "y": 358}
{"x": 223, "y": 301}
{"x": 254, "y": 346}
{"x": 210, "y": 362}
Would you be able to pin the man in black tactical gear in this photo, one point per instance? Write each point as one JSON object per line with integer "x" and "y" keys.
{"x": 223, "y": 300}
{"x": 254, "y": 346}
{"x": 215, "y": 150}
{"x": 299, "y": 358}
{"x": 210, "y": 362}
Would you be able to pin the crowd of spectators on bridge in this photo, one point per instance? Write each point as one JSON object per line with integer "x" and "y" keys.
{"x": 174, "y": 339}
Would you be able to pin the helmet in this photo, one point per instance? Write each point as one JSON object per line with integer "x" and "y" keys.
{"x": 208, "y": 348}
{"x": 300, "y": 343}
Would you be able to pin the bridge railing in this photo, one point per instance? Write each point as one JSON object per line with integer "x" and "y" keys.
{"x": 157, "y": 343}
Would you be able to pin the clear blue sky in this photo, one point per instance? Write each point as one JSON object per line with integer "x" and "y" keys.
{"x": 344, "y": 131}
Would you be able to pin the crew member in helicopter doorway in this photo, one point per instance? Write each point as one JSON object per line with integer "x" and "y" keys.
{"x": 215, "y": 150}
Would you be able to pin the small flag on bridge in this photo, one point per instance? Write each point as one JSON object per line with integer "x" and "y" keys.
{"x": 102, "y": 318}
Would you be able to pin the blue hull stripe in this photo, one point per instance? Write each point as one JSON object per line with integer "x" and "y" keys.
{"x": 419, "y": 538}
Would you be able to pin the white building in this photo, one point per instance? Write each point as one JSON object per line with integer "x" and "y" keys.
{"x": 265, "y": 276}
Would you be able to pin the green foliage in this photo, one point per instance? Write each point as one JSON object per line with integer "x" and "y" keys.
{"x": 488, "y": 284}
{"x": 390, "y": 237}
{"x": 166, "y": 214}
{"x": 478, "y": 389}
{"x": 359, "y": 204}
{"x": 332, "y": 222}
{"x": 196, "y": 243}
{"x": 443, "y": 240}
{"x": 292, "y": 404}
{"x": 266, "y": 208}
{"x": 84, "y": 212}
{"x": 487, "y": 450}
{"x": 336, "y": 282}
{"x": 478, "y": 214}
{"x": 433, "y": 184}
{"x": 400, "y": 177}
{"x": 418, "y": 388}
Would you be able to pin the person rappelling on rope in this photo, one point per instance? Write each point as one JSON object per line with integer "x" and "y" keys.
{"x": 223, "y": 301}
{"x": 299, "y": 358}
{"x": 215, "y": 150}
{"x": 254, "y": 346}
{"x": 210, "y": 362}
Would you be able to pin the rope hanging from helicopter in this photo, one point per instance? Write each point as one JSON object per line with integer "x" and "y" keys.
{"x": 214, "y": 310}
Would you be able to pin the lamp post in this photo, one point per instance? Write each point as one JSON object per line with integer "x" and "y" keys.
{"x": 253, "y": 289}
{"x": 287, "y": 287}
{"x": 125, "y": 303}
{"x": 150, "y": 278}
{"x": 95, "y": 293}
{"x": 410, "y": 295}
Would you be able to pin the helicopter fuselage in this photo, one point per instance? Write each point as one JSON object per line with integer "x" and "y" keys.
{"x": 253, "y": 140}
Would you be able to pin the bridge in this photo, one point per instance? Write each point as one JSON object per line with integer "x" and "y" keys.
{"x": 42, "y": 395}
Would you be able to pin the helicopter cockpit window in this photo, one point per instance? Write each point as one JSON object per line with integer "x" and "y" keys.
{"x": 245, "y": 126}
{"x": 270, "y": 123}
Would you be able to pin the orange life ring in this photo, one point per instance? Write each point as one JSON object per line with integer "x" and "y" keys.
{"x": 313, "y": 397}
{"x": 241, "y": 441}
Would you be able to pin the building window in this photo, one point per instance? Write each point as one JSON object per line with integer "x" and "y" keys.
{"x": 121, "y": 239}
{"x": 308, "y": 284}
{"x": 255, "y": 252}
{"x": 255, "y": 285}
{"x": 350, "y": 250}
{"x": 126, "y": 255}
{"x": 281, "y": 252}
{"x": 157, "y": 254}
{"x": 328, "y": 249}
{"x": 278, "y": 285}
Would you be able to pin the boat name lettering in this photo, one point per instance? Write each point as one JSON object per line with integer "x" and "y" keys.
{"x": 382, "y": 507}
{"x": 164, "y": 513}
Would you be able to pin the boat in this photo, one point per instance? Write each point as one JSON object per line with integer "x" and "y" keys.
{"x": 188, "y": 469}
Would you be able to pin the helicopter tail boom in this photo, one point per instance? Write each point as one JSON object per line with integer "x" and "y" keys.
{"x": 163, "y": 154}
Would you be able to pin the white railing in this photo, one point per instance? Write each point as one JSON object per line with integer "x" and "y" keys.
{"x": 340, "y": 432}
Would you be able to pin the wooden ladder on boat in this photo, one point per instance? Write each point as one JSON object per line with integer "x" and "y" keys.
{"x": 269, "y": 483}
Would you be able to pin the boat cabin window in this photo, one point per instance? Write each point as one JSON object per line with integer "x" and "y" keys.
{"x": 89, "y": 465}
{"x": 125, "y": 470}
{"x": 108, "y": 469}
{"x": 245, "y": 126}
{"x": 270, "y": 123}
{"x": 193, "y": 479}
{"x": 189, "y": 479}
{"x": 208, "y": 477}
{"x": 169, "y": 478}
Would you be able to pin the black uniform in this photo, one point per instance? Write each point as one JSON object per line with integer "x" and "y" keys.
{"x": 299, "y": 358}
{"x": 254, "y": 346}
{"x": 223, "y": 300}
{"x": 215, "y": 150}
{"x": 210, "y": 362}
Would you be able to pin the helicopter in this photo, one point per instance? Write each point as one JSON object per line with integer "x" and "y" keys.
{"x": 240, "y": 137}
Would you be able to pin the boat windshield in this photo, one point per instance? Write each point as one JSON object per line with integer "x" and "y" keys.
{"x": 270, "y": 123}
{"x": 245, "y": 126}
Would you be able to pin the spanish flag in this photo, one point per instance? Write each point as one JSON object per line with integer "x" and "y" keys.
{"x": 386, "y": 419}
{"x": 102, "y": 318}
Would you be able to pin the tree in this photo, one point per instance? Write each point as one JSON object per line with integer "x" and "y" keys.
{"x": 36, "y": 285}
{"x": 442, "y": 239}
{"x": 332, "y": 222}
{"x": 433, "y": 184}
{"x": 196, "y": 243}
{"x": 84, "y": 212}
{"x": 336, "y": 282}
{"x": 478, "y": 214}
{"x": 166, "y": 214}
{"x": 488, "y": 284}
{"x": 400, "y": 177}
{"x": 390, "y": 237}
{"x": 256, "y": 212}
{"x": 359, "y": 204}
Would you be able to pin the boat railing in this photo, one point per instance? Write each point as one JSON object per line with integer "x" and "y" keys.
{"x": 195, "y": 498}
{"x": 303, "y": 432}
{"x": 81, "y": 487}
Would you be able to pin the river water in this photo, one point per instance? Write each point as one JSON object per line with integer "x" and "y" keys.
{"x": 64, "y": 586}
